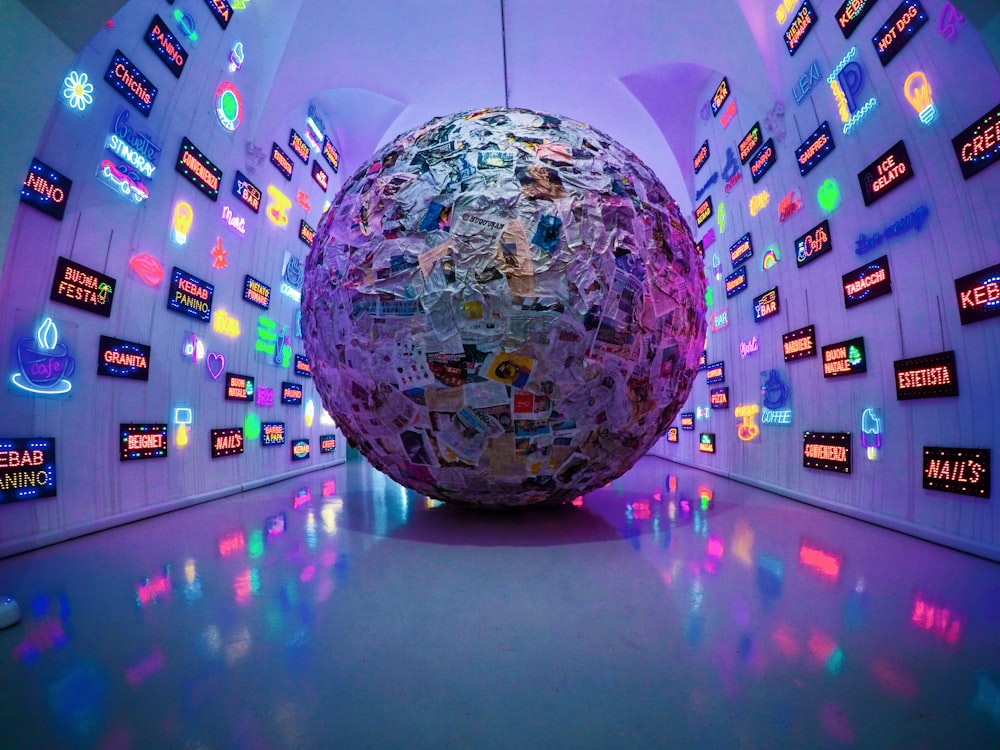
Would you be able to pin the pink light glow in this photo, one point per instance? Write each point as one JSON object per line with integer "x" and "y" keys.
{"x": 893, "y": 680}
{"x": 232, "y": 543}
{"x": 825, "y": 563}
{"x": 785, "y": 641}
{"x": 142, "y": 671}
{"x": 936, "y": 619}
{"x": 150, "y": 590}
{"x": 715, "y": 548}
{"x": 821, "y": 646}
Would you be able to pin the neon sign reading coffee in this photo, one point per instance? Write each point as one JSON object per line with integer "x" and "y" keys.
{"x": 829, "y": 451}
{"x": 46, "y": 189}
{"x": 190, "y": 295}
{"x": 845, "y": 358}
{"x": 899, "y": 30}
{"x": 812, "y": 244}
{"x": 963, "y": 471}
{"x": 139, "y": 441}
{"x": 83, "y": 288}
{"x": 27, "y": 469}
{"x": 798, "y": 30}
{"x": 117, "y": 358}
{"x": 129, "y": 81}
{"x": 198, "y": 169}
{"x": 979, "y": 295}
{"x": 885, "y": 174}
{"x": 814, "y": 149}
{"x": 867, "y": 282}
{"x": 978, "y": 146}
{"x": 930, "y": 376}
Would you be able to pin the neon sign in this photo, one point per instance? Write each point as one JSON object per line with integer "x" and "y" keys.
{"x": 749, "y": 347}
{"x": 236, "y": 57}
{"x": 867, "y": 282}
{"x": 950, "y": 18}
{"x": 741, "y": 250}
{"x": 846, "y": 82}
{"x": 978, "y": 295}
{"x": 83, "y": 288}
{"x": 702, "y": 360}
{"x": 225, "y": 324}
{"x": 190, "y": 295}
{"x": 193, "y": 348}
{"x": 828, "y": 195}
{"x": 814, "y": 149}
{"x": 277, "y": 208}
{"x": 122, "y": 180}
{"x": 310, "y": 412}
{"x": 736, "y": 282}
{"x": 302, "y": 198}
{"x": 129, "y": 81}
{"x": 137, "y": 149}
{"x": 251, "y": 427}
{"x": 788, "y": 207}
{"x": 829, "y": 451}
{"x": 256, "y": 292}
{"x": 930, "y": 376}
{"x": 962, "y": 471}
{"x": 758, "y": 202}
{"x": 219, "y": 255}
{"x": 78, "y": 91}
{"x": 238, "y": 387}
{"x": 765, "y": 305}
{"x": 44, "y": 364}
{"x": 770, "y": 258}
{"x": 306, "y": 233}
{"x": 227, "y": 442}
{"x": 774, "y": 395}
{"x": 687, "y": 420}
{"x": 147, "y": 268}
{"x": 300, "y": 450}
{"x": 749, "y": 143}
{"x": 272, "y": 433}
{"x": 798, "y": 30}
{"x": 320, "y": 176}
{"x": 46, "y": 189}
{"x": 221, "y": 10}
{"x": 917, "y": 91}
{"x": 165, "y": 46}
{"x": 729, "y": 114}
{"x": 719, "y": 398}
{"x": 186, "y": 22}
{"x": 270, "y": 342}
{"x": 292, "y": 276}
{"x": 706, "y": 242}
{"x": 850, "y": 14}
{"x": 978, "y": 146}
{"x": 719, "y": 97}
{"x": 331, "y": 154}
{"x": 719, "y": 320}
{"x": 117, "y": 358}
{"x": 845, "y": 358}
{"x": 747, "y": 429}
{"x": 885, "y": 174}
{"x": 302, "y": 366}
{"x": 180, "y": 223}
{"x": 898, "y": 30}
{"x": 139, "y": 441}
{"x": 704, "y": 188}
{"x": 298, "y": 145}
{"x": 715, "y": 373}
{"x": 799, "y": 344}
{"x": 812, "y": 244}
{"x": 706, "y": 442}
{"x": 701, "y": 157}
{"x": 228, "y": 106}
{"x": 27, "y": 469}
{"x": 265, "y": 397}
{"x": 763, "y": 160}
{"x": 215, "y": 363}
{"x": 247, "y": 192}
{"x": 198, "y": 169}
{"x": 704, "y": 211}
{"x": 673, "y": 434}
{"x": 291, "y": 393}
{"x": 871, "y": 432}
{"x": 281, "y": 161}
{"x": 807, "y": 81}
{"x": 234, "y": 221}
{"x": 721, "y": 218}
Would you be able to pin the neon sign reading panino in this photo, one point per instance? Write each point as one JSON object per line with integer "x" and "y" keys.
{"x": 165, "y": 46}
{"x": 27, "y": 469}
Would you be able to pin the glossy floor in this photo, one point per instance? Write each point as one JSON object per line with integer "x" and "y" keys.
{"x": 671, "y": 609}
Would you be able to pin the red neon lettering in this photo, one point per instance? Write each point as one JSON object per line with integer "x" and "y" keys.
{"x": 929, "y": 376}
{"x": 983, "y": 294}
{"x": 868, "y": 281}
{"x": 192, "y": 288}
{"x": 188, "y": 160}
{"x": 826, "y": 452}
{"x": 982, "y": 142}
{"x": 149, "y": 441}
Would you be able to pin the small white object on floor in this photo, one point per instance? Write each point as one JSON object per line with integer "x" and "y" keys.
{"x": 10, "y": 612}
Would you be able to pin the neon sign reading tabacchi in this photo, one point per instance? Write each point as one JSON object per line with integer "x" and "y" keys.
{"x": 867, "y": 282}
{"x": 798, "y": 30}
{"x": 198, "y": 169}
{"x": 130, "y": 82}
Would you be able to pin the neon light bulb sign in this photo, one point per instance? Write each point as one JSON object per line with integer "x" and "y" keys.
{"x": 44, "y": 364}
{"x": 871, "y": 432}
{"x": 917, "y": 91}
{"x": 747, "y": 429}
{"x": 846, "y": 82}
{"x": 77, "y": 93}
{"x": 180, "y": 223}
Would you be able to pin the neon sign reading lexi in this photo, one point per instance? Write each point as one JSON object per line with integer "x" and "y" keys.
{"x": 885, "y": 174}
{"x": 807, "y": 81}
{"x": 129, "y": 81}
{"x": 963, "y": 471}
{"x": 27, "y": 468}
{"x": 83, "y": 288}
{"x": 978, "y": 146}
{"x": 198, "y": 169}
{"x": 979, "y": 295}
{"x": 802, "y": 24}
{"x": 899, "y": 30}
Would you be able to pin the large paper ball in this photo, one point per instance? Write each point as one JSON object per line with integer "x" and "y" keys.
{"x": 503, "y": 308}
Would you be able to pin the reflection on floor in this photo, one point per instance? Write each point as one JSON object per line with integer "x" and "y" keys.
{"x": 670, "y": 609}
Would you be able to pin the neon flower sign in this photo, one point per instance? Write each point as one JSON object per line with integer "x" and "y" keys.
{"x": 44, "y": 364}
{"x": 78, "y": 91}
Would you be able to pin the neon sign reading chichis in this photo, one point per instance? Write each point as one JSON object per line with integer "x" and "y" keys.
{"x": 27, "y": 469}
{"x": 963, "y": 471}
{"x": 281, "y": 161}
{"x": 129, "y": 81}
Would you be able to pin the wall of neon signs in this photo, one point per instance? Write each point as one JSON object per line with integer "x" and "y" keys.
{"x": 85, "y": 309}
{"x": 898, "y": 240}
